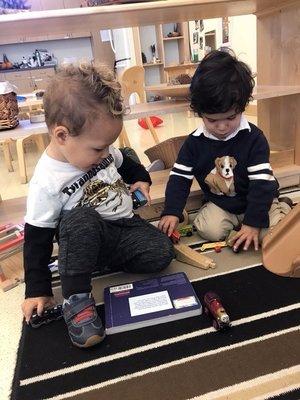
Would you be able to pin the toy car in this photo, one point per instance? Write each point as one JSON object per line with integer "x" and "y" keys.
{"x": 52, "y": 314}
{"x": 175, "y": 237}
{"x": 186, "y": 230}
{"x": 138, "y": 199}
{"x": 215, "y": 309}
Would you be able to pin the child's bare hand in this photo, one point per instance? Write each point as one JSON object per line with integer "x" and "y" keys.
{"x": 168, "y": 223}
{"x": 144, "y": 187}
{"x": 36, "y": 303}
{"x": 247, "y": 234}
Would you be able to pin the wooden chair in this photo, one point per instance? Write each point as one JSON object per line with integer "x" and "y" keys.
{"x": 4, "y": 144}
{"x": 167, "y": 151}
{"x": 132, "y": 81}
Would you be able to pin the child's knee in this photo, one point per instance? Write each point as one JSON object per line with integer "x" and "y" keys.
{"x": 211, "y": 232}
{"x": 165, "y": 255}
{"x": 154, "y": 258}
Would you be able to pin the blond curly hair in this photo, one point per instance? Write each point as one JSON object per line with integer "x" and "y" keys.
{"x": 73, "y": 97}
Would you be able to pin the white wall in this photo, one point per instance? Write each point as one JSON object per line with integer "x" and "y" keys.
{"x": 214, "y": 24}
{"x": 242, "y": 37}
{"x": 79, "y": 48}
{"x": 147, "y": 38}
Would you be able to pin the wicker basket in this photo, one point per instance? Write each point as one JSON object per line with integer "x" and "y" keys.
{"x": 8, "y": 111}
{"x": 166, "y": 151}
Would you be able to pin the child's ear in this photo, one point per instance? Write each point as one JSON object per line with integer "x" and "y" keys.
{"x": 61, "y": 134}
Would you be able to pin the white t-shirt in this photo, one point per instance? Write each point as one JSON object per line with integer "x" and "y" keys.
{"x": 58, "y": 186}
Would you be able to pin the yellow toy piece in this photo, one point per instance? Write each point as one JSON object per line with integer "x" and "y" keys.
{"x": 212, "y": 245}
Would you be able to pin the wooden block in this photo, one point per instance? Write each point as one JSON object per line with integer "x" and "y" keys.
{"x": 187, "y": 255}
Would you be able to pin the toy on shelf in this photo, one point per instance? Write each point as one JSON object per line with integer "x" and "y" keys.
{"x": 175, "y": 32}
{"x": 187, "y": 255}
{"x": 214, "y": 308}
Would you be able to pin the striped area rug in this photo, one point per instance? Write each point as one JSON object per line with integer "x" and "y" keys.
{"x": 258, "y": 358}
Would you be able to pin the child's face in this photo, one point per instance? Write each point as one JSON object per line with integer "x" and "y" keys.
{"x": 223, "y": 124}
{"x": 89, "y": 148}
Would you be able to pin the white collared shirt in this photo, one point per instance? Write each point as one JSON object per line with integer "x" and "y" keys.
{"x": 244, "y": 124}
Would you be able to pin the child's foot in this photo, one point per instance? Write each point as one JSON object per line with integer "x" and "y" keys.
{"x": 286, "y": 200}
{"x": 84, "y": 324}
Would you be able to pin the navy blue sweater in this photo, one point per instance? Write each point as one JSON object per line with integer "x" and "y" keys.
{"x": 234, "y": 174}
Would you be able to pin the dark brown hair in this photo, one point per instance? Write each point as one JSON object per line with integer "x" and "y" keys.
{"x": 220, "y": 83}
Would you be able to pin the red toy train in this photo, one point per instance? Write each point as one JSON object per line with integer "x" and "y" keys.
{"x": 214, "y": 308}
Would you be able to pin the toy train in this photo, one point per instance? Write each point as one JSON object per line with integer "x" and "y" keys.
{"x": 49, "y": 315}
{"x": 214, "y": 308}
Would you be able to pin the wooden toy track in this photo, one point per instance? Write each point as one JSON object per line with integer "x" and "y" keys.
{"x": 187, "y": 255}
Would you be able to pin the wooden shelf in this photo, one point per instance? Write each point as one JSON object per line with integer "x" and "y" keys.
{"x": 183, "y": 66}
{"x": 152, "y": 64}
{"x": 172, "y": 38}
{"x": 259, "y": 93}
{"x": 117, "y": 16}
{"x": 268, "y": 91}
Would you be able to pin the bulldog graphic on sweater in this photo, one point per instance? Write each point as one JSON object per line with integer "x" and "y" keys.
{"x": 220, "y": 179}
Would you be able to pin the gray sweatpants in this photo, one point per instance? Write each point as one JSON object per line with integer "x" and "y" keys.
{"x": 88, "y": 243}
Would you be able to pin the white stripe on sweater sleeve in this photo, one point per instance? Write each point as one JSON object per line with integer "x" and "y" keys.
{"x": 183, "y": 175}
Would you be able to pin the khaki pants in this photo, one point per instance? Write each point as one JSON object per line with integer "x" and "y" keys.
{"x": 214, "y": 224}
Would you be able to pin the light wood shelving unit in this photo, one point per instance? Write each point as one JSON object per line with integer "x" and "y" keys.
{"x": 173, "y": 53}
{"x": 173, "y": 38}
{"x": 278, "y": 51}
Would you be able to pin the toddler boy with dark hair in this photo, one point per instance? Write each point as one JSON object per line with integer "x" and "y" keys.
{"x": 228, "y": 156}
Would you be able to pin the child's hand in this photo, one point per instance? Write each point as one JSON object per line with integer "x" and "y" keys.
{"x": 247, "y": 234}
{"x": 168, "y": 223}
{"x": 38, "y": 303}
{"x": 144, "y": 187}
